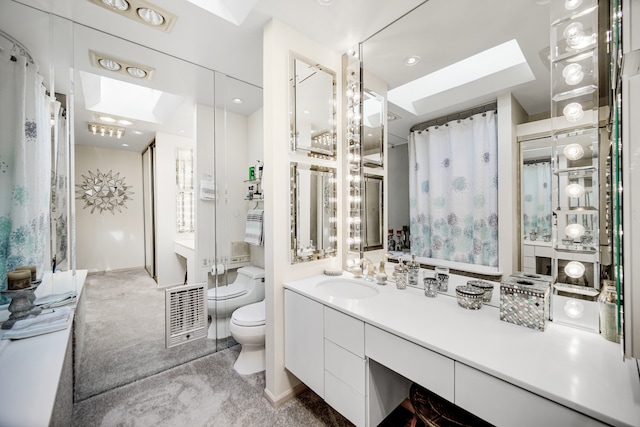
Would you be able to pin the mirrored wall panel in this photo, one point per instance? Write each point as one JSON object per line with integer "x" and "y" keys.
{"x": 313, "y": 108}
{"x": 313, "y": 212}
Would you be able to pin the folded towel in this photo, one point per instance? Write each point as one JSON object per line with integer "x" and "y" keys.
{"x": 254, "y": 232}
{"x": 42, "y": 324}
{"x": 56, "y": 300}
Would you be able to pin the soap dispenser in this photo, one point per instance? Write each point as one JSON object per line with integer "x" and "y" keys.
{"x": 381, "y": 276}
{"x": 402, "y": 275}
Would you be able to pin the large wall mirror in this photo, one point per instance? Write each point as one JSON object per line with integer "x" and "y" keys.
{"x": 313, "y": 212}
{"x": 36, "y": 187}
{"x": 373, "y": 109}
{"x": 312, "y": 108}
{"x": 417, "y": 57}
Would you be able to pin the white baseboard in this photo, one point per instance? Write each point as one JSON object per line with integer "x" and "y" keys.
{"x": 280, "y": 400}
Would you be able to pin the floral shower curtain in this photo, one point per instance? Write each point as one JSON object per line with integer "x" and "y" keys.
{"x": 25, "y": 167}
{"x": 453, "y": 191}
{"x": 536, "y": 196}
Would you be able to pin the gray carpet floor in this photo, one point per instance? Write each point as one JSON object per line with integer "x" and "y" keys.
{"x": 125, "y": 377}
{"x": 204, "y": 392}
{"x": 119, "y": 333}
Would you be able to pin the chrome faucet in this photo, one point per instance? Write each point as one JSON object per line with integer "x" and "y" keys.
{"x": 371, "y": 270}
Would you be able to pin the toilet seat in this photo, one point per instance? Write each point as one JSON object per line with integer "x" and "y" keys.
{"x": 250, "y": 315}
{"x": 222, "y": 293}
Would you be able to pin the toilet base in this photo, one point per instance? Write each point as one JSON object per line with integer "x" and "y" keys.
{"x": 219, "y": 328}
{"x": 251, "y": 360}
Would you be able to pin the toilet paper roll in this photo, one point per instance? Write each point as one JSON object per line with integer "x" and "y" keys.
{"x": 217, "y": 269}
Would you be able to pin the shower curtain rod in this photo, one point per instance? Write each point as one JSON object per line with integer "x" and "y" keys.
{"x": 440, "y": 121}
{"x": 19, "y": 46}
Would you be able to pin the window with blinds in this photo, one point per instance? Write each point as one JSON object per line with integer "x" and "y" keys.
{"x": 185, "y": 201}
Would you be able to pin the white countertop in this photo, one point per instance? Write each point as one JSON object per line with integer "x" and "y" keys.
{"x": 30, "y": 368}
{"x": 578, "y": 369}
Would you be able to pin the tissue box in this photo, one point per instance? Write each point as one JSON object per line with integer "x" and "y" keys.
{"x": 524, "y": 302}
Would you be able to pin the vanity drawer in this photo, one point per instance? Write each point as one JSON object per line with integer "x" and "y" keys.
{"x": 345, "y": 365}
{"x": 544, "y": 251}
{"x": 431, "y": 370}
{"x": 346, "y": 331}
{"x": 528, "y": 250}
{"x": 504, "y": 404}
{"x": 530, "y": 262}
{"x": 344, "y": 399}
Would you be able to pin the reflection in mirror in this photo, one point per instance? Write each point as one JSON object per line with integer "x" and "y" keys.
{"x": 34, "y": 141}
{"x": 535, "y": 191}
{"x": 313, "y": 212}
{"x": 373, "y": 220}
{"x": 373, "y": 129}
{"x": 313, "y": 108}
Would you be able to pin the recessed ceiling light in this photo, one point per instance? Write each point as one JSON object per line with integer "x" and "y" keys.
{"x": 150, "y": 16}
{"x": 412, "y": 60}
{"x": 238, "y": 100}
{"x": 137, "y": 132}
{"x": 109, "y": 64}
{"x": 325, "y": 2}
{"x": 136, "y": 72}
{"x": 307, "y": 111}
{"x": 125, "y": 122}
{"x": 120, "y": 5}
{"x": 125, "y": 145}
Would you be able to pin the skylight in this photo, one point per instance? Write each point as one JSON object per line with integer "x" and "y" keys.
{"x": 234, "y": 11}
{"x": 109, "y": 96}
{"x": 491, "y": 71}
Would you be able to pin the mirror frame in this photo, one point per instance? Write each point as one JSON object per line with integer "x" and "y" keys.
{"x": 294, "y": 127}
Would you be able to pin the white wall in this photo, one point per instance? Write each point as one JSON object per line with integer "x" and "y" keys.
{"x": 278, "y": 41}
{"x": 108, "y": 241}
{"x": 170, "y": 267}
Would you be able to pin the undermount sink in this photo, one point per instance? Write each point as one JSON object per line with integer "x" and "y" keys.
{"x": 347, "y": 289}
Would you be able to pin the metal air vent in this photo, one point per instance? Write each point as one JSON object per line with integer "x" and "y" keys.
{"x": 186, "y": 314}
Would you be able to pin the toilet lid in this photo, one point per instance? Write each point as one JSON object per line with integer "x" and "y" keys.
{"x": 250, "y": 315}
{"x": 222, "y": 293}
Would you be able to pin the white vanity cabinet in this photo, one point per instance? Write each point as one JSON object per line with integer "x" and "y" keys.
{"x": 345, "y": 365}
{"x": 304, "y": 340}
{"x": 503, "y": 404}
{"x": 324, "y": 348}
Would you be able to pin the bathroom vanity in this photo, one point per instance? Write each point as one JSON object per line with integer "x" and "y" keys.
{"x": 37, "y": 372}
{"x": 359, "y": 346}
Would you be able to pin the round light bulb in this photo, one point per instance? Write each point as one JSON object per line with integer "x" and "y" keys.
{"x": 120, "y": 5}
{"x": 574, "y": 190}
{"x": 572, "y": 4}
{"x": 574, "y": 309}
{"x": 573, "y": 151}
{"x": 573, "y": 112}
{"x": 150, "y": 16}
{"x": 573, "y": 74}
{"x": 574, "y": 269}
{"x": 574, "y": 34}
{"x": 109, "y": 64}
{"x": 574, "y": 231}
{"x": 136, "y": 72}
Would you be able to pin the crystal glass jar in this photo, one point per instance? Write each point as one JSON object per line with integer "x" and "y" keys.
{"x": 430, "y": 287}
{"x": 402, "y": 275}
{"x": 442, "y": 274}
{"x": 414, "y": 271}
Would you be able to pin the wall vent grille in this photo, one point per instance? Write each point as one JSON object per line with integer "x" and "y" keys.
{"x": 186, "y": 314}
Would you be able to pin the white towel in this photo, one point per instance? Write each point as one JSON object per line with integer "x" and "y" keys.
{"x": 254, "y": 233}
{"x": 56, "y": 300}
{"x": 42, "y": 324}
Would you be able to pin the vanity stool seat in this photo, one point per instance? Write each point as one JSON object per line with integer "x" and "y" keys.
{"x": 435, "y": 411}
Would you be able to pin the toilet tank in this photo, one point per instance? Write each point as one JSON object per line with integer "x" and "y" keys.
{"x": 249, "y": 275}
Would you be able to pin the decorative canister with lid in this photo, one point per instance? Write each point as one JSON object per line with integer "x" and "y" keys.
{"x": 402, "y": 275}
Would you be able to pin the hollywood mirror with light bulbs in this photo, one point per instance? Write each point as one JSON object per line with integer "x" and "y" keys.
{"x": 312, "y": 108}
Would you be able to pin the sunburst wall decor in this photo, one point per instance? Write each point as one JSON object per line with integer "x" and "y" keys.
{"x": 104, "y": 192}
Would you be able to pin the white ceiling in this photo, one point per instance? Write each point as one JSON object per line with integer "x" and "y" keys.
{"x": 440, "y": 31}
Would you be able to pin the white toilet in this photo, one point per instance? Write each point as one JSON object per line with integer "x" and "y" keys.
{"x": 248, "y": 288}
{"x": 248, "y": 329}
